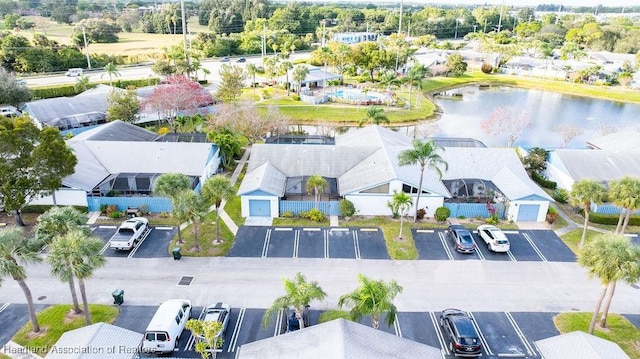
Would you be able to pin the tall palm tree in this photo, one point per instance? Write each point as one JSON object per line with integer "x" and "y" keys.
{"x": 57, "y": 222}
{"x": 252, "y": 70}
{"x": 402, "y": 203}
{"x": 609, "y": 258}
{"x": 209, "y": 330}
{"x": 298, "y": 294}
{"x": 284, "y": 68}
{"x": 316, "y": 184}
{"x": 215, "y": 190}
{"x": 194, "y": 208}
{"x": 299, "y": 75}
{"x": 584, "y": 193}
{"x": 111, "y": 70}
{"x": 15, "y": 249}
{"x": 169, "y": 185}
{"x": 375, "y": 115}
{"x": 624, "y": 193}
{"x": 414, "y": 78}
{"x": 426, "y": 155}
{"x": 76, "y": 254}
{"x": 372, "y": 297}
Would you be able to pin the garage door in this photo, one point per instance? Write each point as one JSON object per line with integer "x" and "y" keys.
{"x": 528, "y": 212}
{"x": 259, "y": 208}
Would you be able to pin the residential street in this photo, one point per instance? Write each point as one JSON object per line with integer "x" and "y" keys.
{"x": 255, "y": 282}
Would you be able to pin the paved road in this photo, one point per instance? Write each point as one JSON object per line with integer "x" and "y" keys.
{"x": 255, "y": 282}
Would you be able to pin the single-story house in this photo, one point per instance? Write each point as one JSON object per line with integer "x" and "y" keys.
{"x": 625, "y": 140}
{"x": 608, "y": 58}
{"x": 99, "y": 340}
{"x": 337, "y": 339}
{"x": 579, "y": 345}
{"x": 355, "y": 37}
{"x": 118, "y": 163}
{"x": 363, "y": 167}
{"x": 566, "y": 166}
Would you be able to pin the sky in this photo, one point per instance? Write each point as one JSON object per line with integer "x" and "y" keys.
{"x": 593, "y": 3}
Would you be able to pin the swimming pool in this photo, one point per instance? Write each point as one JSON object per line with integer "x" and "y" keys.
{"x": 356, "y": 95}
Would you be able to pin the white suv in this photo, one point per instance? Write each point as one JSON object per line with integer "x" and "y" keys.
{"x": 9, "y": 111}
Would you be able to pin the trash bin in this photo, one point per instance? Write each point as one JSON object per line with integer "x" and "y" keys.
{"x": 118, "y": 296}
{"x": 176, "y": 253}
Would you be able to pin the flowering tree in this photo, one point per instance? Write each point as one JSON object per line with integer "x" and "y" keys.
{"x": 507, "y": 120}
{"x": 179, "y": 94}
{"x": 568, "y": 133}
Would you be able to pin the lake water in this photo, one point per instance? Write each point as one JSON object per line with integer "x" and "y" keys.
{"x": 547, "y": 110}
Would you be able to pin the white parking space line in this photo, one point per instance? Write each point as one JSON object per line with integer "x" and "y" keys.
{"x": 279, "y": 318}
{"x": 424, "y": 231}
{"x": 312, "y": 229}
{"x": 136, "y": 246}
{"x": 104, "y": 249}
{"x": 164, "y": 228}
{"x": 632, "y": 235}
{"x": 480, "y": 255}
{"x": 368, "y": 229}
{"x": 296, "y": 244}
{"x": 339, "y": 229}
{"x": 521, "y": 335}
{"x": 4, "y": 306}
{"x": 396, "y": 326}
{"x": 511, "y": 232}
{"x": 356, "y": 244}
{"x": 513, "y": 258}
{"x": 265, "y": 245}
{"x": 233, "y": 342}
{"x": 326, "y": 244}
{"x": 443, "y": 346}
{"x": 535, "y": 248}
{"x": 107, "y": 227}
{"x": 445, "y": 246}
{"x": 283, "y": 229}
{"x": 482, "y": 339}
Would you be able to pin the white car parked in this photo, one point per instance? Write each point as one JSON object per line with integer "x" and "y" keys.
{"x": 217, "y": 312}
{"x": 494, "y": 238}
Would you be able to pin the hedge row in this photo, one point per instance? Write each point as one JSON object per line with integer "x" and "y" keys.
{"x": 612, "y": 219}
{"x": 41, "y": 208}
{"x": 543, "y": 182}
{"x": 67, "y": 90}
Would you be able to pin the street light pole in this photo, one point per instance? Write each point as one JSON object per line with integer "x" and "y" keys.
{"x": 86, "y": 48}
{"x": 184, "y": 36}
{"x": 400, "y": 20}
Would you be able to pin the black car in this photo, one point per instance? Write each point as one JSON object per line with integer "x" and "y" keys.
{"x": 242, "y": 59}
{"x": 462, "y": 240}
{"x": 460, "y": 333}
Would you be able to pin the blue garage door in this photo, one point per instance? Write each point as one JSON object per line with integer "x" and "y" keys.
{"x": 259, "y": 208}
{"x": 528, "y": 212}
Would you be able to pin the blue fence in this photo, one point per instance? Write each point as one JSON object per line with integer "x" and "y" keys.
{"x": 610, "y": 209}
{"x": 472, "y": 210}
{"x": 153, "y": 204}
{"x": 329, "y": 208}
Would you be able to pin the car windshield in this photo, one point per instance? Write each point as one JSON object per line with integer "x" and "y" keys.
{"x": 465, "y": 238}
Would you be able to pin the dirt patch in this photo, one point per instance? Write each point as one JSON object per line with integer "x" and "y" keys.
{"x": 70, "y": 316}
{"x": 43, "y": 332}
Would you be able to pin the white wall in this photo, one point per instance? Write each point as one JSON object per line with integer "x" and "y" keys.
{"x": 244, "y": 203}
{"x": 514, "y": 207}
{"x": 376, "y": 204}
{"x": 557, "y": 172}
{"x": 64, "y": 197}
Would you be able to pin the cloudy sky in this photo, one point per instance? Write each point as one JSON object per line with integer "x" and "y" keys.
{"x": 593, "y": 3}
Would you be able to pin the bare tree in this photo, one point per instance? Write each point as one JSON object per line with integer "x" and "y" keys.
{"x": 568, "y": 133}
{"x": 507, "y": 120}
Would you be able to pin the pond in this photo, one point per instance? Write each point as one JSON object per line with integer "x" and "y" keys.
{"x": 549, "y": 112}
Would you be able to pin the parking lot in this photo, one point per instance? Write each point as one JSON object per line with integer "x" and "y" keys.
{"x": 281, "y": 242}
{"x": 155, "y": 245}
{"x": 526, "y": 245}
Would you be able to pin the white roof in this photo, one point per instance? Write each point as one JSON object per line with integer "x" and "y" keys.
{"x": 579, "y": 345}
{"x": 337, "y": 339}
{"x": 266, "y": 178}
{"x": 94, "y": 342}
{"x": 599, "y": 165}
{"x": 626, "y": 140}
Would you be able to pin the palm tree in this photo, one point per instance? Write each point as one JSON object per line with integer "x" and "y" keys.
{"x": 284, "y": 68}
{"x": 82, "y": 83}
{"x": 16, "y": 248}
{"x": 425, "y": 154}
{"x": 194, "y": 208}
{"x": 299, "y": 75}
{"x": 252, "y": 70}
{"x": 299, "y": 293}
{"x": 76, "y": 254}
{"x": 375, "y": 115}
{"x": 169, "y": 185}
{"x": 316, "y": 184}
{"x": 414, "y": 78}
{"x": 624, "y": 193}
{"x": 112, "y": 70}
{"x": 372, "y": 297}
{"x": 209, "y": 330}
{"x": 215, "y": 190}
{"x": 610, "y": 258}
{"x": 57, "y": 222}
{"x": 401, "y": 202}
{"x": 584, "y": 193}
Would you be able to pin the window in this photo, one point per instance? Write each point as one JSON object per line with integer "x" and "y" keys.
{"x": 410, "y": 189}
{"x": 383, "y": 189}
{"x": 179, "y": 317}
{"x": 150, "y": 336}
{"x": 163, "y": 337}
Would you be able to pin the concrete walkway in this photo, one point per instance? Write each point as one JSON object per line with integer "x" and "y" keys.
{"x": 17, "y": 351}
{"x": 571, "y": 225}
{"x": 234, "y": 178}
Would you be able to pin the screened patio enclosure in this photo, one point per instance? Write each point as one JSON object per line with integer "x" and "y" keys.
{"x": 472, "y": 190}
{"x": 131, "y": 184}
{"x": 296, "y": 189}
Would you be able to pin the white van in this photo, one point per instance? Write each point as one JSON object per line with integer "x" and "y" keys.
{"x": 73, "y": 72}
{"x": 166, "y": 326}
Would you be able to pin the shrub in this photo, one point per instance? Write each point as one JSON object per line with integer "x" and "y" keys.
{"x": 287, "y": 214}
{"x": 461, "y": 217}
{"x": 493, "y": 219}
{"x": 346, "y": 207}
{"x": 612, "y": 219}
{"x": 543, "y": 182}
{"x": 41, "y": 208}
{"x": 561, "y": 195}
{"x": 552, "y": 215}
{"x": 110, "y": 209}
{"x": 103, "y": 208}
{"x": 295, "y": 97}
{"x": 442, "y": 213}
{"x": 144, "y": 209}
{"x": 313, "y": 214}
{"x": 115, "y": 214}
{"x": 421, "y": 213}
{"x": 486, "y": 68}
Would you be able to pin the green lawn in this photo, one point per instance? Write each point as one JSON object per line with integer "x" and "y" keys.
{"x": 206, "y": 236}
{"x": 56, "y": 320}
{"x": 572, "y": 238}
{"x": 619, "y": 330}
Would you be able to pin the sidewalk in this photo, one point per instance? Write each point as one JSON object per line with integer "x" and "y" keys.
{"x": 571, "y": 224}
{"x": 234, "y": 178}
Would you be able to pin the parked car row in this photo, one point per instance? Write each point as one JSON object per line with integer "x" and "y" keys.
{"x": 492, "y": 236}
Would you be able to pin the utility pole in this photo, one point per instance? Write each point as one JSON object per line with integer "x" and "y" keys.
{"x": 500, "y": 19}
{"x": 86, "y": 48}
{"x": 184, "y": 39}
{"x": 324, "y": 32}
{"x": 400, "y": 20}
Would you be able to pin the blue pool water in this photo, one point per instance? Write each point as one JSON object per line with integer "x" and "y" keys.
{"x": 350, "y": 95}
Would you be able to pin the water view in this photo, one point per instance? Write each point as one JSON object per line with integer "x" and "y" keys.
{"x": 548, "y": 111}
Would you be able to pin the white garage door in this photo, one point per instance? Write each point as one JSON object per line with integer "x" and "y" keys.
{"x": 259, "y": 208}
{"x": 528, "y": 212}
